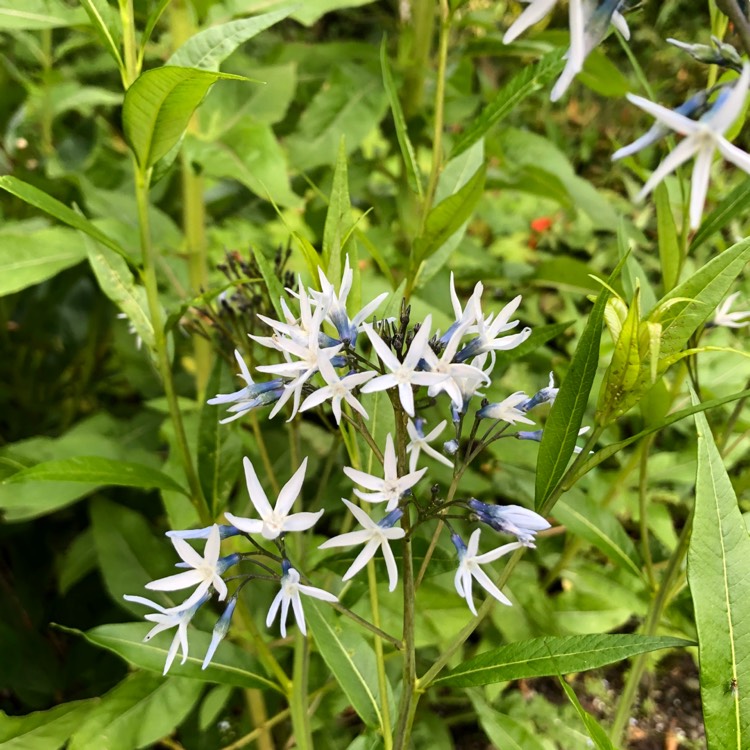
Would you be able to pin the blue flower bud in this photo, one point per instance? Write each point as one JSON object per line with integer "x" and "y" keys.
{"x": 220, "y": 630}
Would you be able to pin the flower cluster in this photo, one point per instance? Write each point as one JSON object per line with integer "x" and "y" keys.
{"x": 328, "y": 357}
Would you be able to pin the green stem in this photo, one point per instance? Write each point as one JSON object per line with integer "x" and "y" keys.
{"x": 414, "y": 54}
{"x": 624, "y": 707}
{"x": 298, "y": 697}
{"x": 379, "y": 657}
{"x": 46, "y": 145}
{"x": 142, "y": 180}
{"x": 643, "y": 511}
{"x": 129, "y": 43}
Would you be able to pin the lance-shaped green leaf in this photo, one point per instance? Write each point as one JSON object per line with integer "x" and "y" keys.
{"x": 97, "y": 471}
{"x": 600, "y": 527}
{"x": 42, "y": 730}
{"x": 717, "y": 575}
{"x": 445, "y": 219}
{"x": 39, "y": 199}
{"x": 565, "y": 417}
{"x": 209, "y": 48}
{"x": 691, "y": 303}
{"x": 530, "y": 79}
{"x": 275, "y": 287}
{"x": 343, "y": 651}
{"x": 593, "y": 727}
{"x": 107, "y": 25}
{"x": 402, "y": 134}
{"x": 139, "y": 711}
{"x": 542, "y": 657}
{"x": 733, "y": 205}
{"x": 669, "y": 244}
{"x": 158, "y": 107}
{"x": 231, "y": 665}
{"x": 16, "y": 15}
{"x": 338, "y": 219}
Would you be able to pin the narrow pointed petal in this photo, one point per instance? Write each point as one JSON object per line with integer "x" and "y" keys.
{"x": 317, "y": 593}
{"x": 187, "y": 553}
{"x": 368, "y": 481}
{"x": 485, "y": 582}
{"x": 531, "y": 15}
{"x": 359, "y": 514}
{"x": 669, "y": 117}
{"x": 683, "y": 151}
{"x": 390, "y": 566}
{"x": 699, "y": 184}
{"x": 301, "y": 521}
{"x": 725, "y": 116}
{"x": 248, "y": 525}
{"x": 290, "y": 491}
{"x": 299, "y": 614}
{"x": 619, "y": 22}
{"x": 731, "y": 153}
{"x": 284, "y": 615}
{"x": 418, "y": 344}
{"x": 274, "y": 608}
{"x": 171, "y": 653}
{"x": 350, "y": 539}
{"x": 212, "y": 550}
{"x": 365, "y": 555}
{"x": 255, "y": 490}
{"x": 176, "y": 582}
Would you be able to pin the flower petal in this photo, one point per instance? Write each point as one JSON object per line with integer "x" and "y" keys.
{"x": 255, "y": 490}
{"x": 290, "y": 491}
{"x": 248, "y": 525}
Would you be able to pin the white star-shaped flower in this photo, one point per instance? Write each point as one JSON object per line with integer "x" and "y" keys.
{"x": 206, "y": 571}
{"x": 391, "y": 487}
{"x": 171, "y": 617}
{"x": 468, "y": 568}
{"x": 274, "y": 521}
{"x": 404, "y": 374}
{"x": 725, "y": 317}
{"x": 290, "y": 592}
{"x": 420, "y": 442}
{"x": 373, "y": 536}
{"x": 337, "y": 389}
{"x": 509, "y": 410}
{"x": 702, "y": 138}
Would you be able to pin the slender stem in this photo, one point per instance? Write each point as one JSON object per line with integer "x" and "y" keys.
{"x": 395, "y": 642}
{"x": 46, "y": 114}
{"x": 651, "y": 625}
{"x": 643, "y": 511}
{"x": 259, "y": 731}
{"x": 129, "y": 44}
{"x": 732, "y": 10}
{"x": 298, "y": 697}
{"x": 379, "y": 658}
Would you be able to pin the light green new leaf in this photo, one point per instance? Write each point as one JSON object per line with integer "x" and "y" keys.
{"x": 16, "y": 15}
{"x": 209, "y": 48}
{"x": 117, "y": 282}
{"x": 312, "y": 10}
{"x": 600, "y": 527}
{"x": 27, "y": 258}
{"x": 593, "y": 727}
{"x": 733, "y": 205}
{"x": 717, "y": 575}
{"x": 550, "y": 655}
{"x": 343, "y": 650}
{"x": 42, "y": 730}
{"x": 445, "y": 219}
{"x": 158, "y": 107}
{"x": 274, "y": 286}
{"x": 107, "y": 25}
{"x": 98, "y": 471}
{"x": 669, "y": 244}
{"x": 338, "y": 219}
{"x": 698, "y": 296}
{"x": 530, "y": 79}
{"x": 402, "y": 134}
{"x": 39, "y": 199}
{"x": 142, "y": 709}
{"x": 231, "y": 665}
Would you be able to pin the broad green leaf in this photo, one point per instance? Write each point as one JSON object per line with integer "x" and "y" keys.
{"x": 566, "y": 415}
{"x": 669, "y": 243}
{"x": 76, "y": 562}
{"x": 597, "y": 734}
{"x": 310, "y": 11}
{"x": 733, "y": 205}
{"x": 408, "y": 154}
{"x": 129, "y": 554}
{"x": 16, "y": 15}
{"x": 717, "y": 575}
{"x": 350, "y": 103}
{"x": 142, "y": 709}
{"x": 219, "y": 449}
{"x": 158, "y": 107}
{"x": 610, "y": 450}
{"x": 42, "y": 730}
{"x": 97, "y": 471}
{"x": 27, "y": 258}
{"x": 117, "y": 282}
{"x": 212, "y": 705}
{"x": 550, "y": 655}
{"x": 209, "y": 48}
{"x": 530, "y": 79}
{"x": 52, "y": 206}
{"x": 107, "y": 25}
{"x": 343, "y": 651}
{"x": 338, "y": 219}
{"x": 702, "y": 292}
{"x": 445, "y": 219}
{"x": 231, "y": 665}
{"x": 600, "y": 527}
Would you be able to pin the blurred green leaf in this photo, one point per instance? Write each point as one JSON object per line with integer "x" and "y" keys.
{"x": 42, "y": 730}
{"x": 142, "y": 709}
{"x": 27, "y": 258}
{"x": 529, "y": 80}
{"x": 669, "y": 244}
{"x": 97, "y": 471}
{"x": 38, "y": 14}
{"x": 207, "y": 49}
{"x": 594, "y": 729}
{"x": 343, "y": 651}
{"x": 107, "y": 25}
{"x": 338, "y": 220}
{"x": 717, "y": 575}
{"x": 733, "y": 205}
{"x": 541, "y": 657}
{"x": 231, "y": 665}
{"x": 158, "y": 107}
